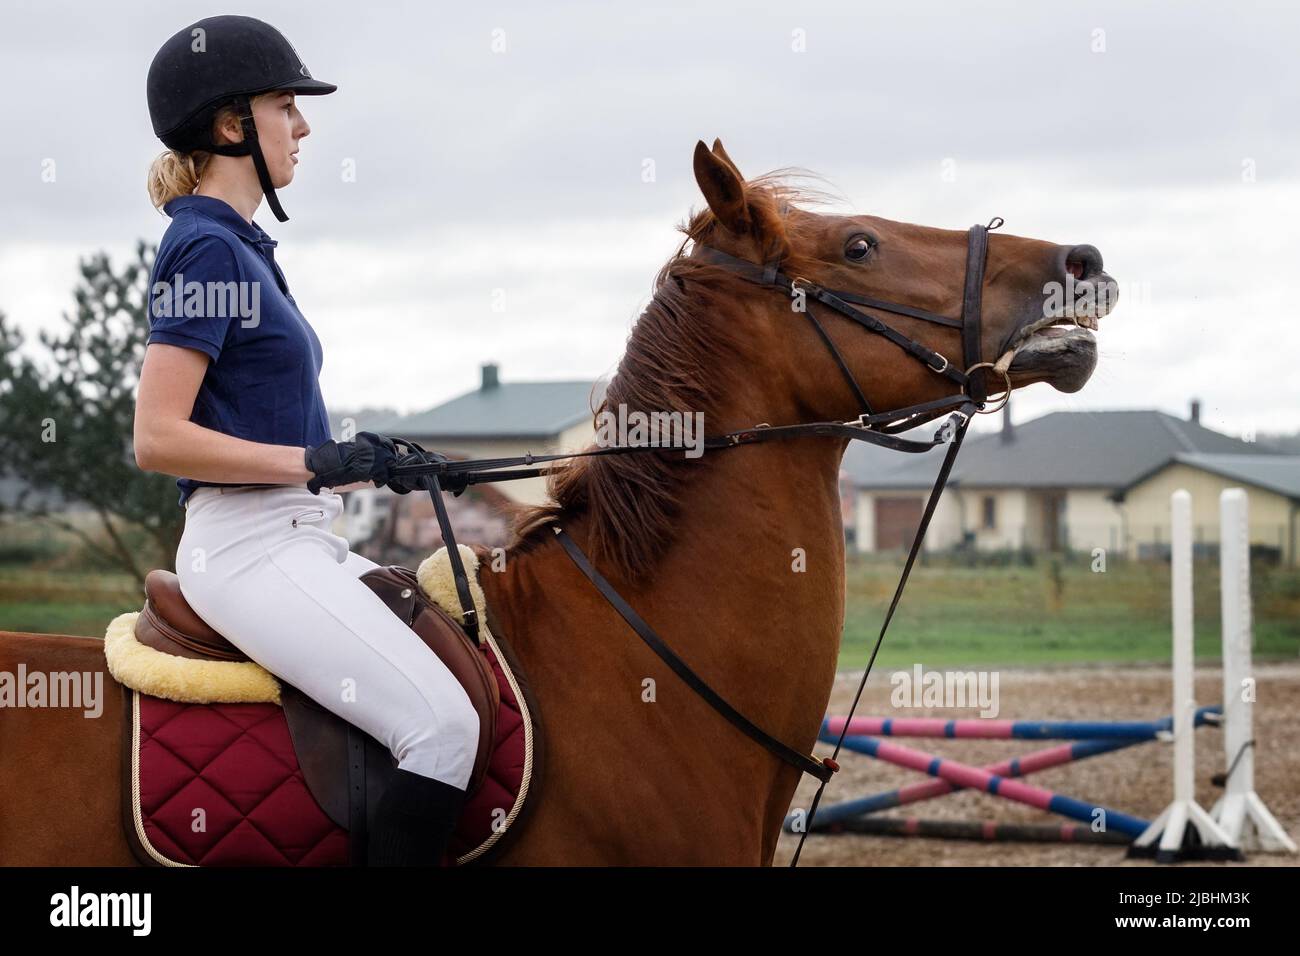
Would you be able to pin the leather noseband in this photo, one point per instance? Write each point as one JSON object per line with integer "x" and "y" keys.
{"x": 971, "y": 381}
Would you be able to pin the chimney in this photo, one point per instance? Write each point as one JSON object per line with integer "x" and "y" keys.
{"x": 490, "y": 379}
{"x": 1196, "y": 411}
{"x": 1008, "y": 432}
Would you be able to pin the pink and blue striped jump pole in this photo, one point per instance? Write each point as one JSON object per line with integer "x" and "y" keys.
{"x": 976, "y": 728}
{"x": 983, "y": 830}
{"x": 1014, "y": 767}
{"x": 964, "y": 775}
{"x": 929, "y": 789}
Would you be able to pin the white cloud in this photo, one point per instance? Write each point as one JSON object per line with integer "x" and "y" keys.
{"x": 521, "y": 171}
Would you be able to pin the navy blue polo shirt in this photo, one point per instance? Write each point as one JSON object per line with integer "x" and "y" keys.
{"x": 215, "y": 287}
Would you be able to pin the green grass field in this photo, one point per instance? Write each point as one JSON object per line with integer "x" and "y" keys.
{"x": 1043, "y": 614}
{"x": 1037, "y": 615}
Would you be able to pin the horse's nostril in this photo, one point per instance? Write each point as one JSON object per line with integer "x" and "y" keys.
{"x": 1083, "y": 262}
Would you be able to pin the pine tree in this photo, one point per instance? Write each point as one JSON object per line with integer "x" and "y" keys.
{"x": 66, "y": 430}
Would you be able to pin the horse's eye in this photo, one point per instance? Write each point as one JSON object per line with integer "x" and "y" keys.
{"x": 858, "y": 249}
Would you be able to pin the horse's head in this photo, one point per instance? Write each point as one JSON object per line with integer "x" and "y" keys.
{"x": 1039, "y": 299}
{"x": 722, "y": 337}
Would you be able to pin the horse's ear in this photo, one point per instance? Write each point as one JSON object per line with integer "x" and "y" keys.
{"x": 721, "y": 153}
{"x": 723, "y": 189}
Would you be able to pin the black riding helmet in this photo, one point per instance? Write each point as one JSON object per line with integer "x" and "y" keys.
{"x": 215, "y": 62}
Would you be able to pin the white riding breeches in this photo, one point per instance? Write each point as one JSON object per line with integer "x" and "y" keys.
{"x": 263, "y": 568}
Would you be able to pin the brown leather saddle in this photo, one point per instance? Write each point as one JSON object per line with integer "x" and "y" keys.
{"x": 345, "y": 769}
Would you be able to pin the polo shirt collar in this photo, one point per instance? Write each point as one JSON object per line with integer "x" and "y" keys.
{"x": 222, "y": 212}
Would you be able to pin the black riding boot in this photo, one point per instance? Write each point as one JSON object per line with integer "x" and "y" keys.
{"x": 414, "y": 820}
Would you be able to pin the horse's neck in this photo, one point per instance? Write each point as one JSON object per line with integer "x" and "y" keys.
{"x": 760, "y": 559}
{"x": 750, "y": 593}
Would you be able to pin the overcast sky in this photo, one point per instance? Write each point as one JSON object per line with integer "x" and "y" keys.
{"x": 502, "y": 147}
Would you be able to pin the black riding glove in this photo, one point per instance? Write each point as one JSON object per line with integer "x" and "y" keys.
{"x": 342, "y": 463}
{"x": 405, "y": 484}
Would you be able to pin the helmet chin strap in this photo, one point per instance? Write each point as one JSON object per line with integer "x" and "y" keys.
{"x": 251, "y": 147}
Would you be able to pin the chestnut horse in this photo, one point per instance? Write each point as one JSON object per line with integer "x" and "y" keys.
{"x": 735, "y": 558}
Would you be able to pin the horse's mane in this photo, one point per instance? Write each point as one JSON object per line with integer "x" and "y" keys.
{"x": 678, "y": 353}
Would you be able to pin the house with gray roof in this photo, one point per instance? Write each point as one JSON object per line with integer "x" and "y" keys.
{"x": 1068, "y": 480}
{"x": 504, "y": 419}
{"x": 1272, "y": 484}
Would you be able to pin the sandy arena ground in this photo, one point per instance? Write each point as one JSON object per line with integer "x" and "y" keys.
{"x": 1137, "y": 780}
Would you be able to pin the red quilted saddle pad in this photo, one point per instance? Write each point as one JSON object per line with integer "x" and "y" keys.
{"x": 219, "y": 785}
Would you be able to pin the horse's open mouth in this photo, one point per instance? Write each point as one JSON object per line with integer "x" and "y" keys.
{"x": 1063, "y": 355}
{"x": 1061, "y": 349}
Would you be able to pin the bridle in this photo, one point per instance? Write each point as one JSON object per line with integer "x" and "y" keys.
{"x": 879, "y": 428}
{"x": 972, "y": 385}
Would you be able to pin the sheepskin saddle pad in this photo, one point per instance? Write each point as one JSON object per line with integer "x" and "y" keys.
{"x": 225, "y": 765}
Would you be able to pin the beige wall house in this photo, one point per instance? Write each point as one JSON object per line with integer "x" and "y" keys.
{"x": 1051, "y": 484}
{"x": 496, "y": 420}
{"x": 1272, "y": 485}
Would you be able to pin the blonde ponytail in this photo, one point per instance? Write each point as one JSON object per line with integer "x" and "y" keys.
{"x": 174, "y": 174}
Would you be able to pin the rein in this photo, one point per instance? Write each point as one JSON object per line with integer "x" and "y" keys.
{"x": 445, "y": 475}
